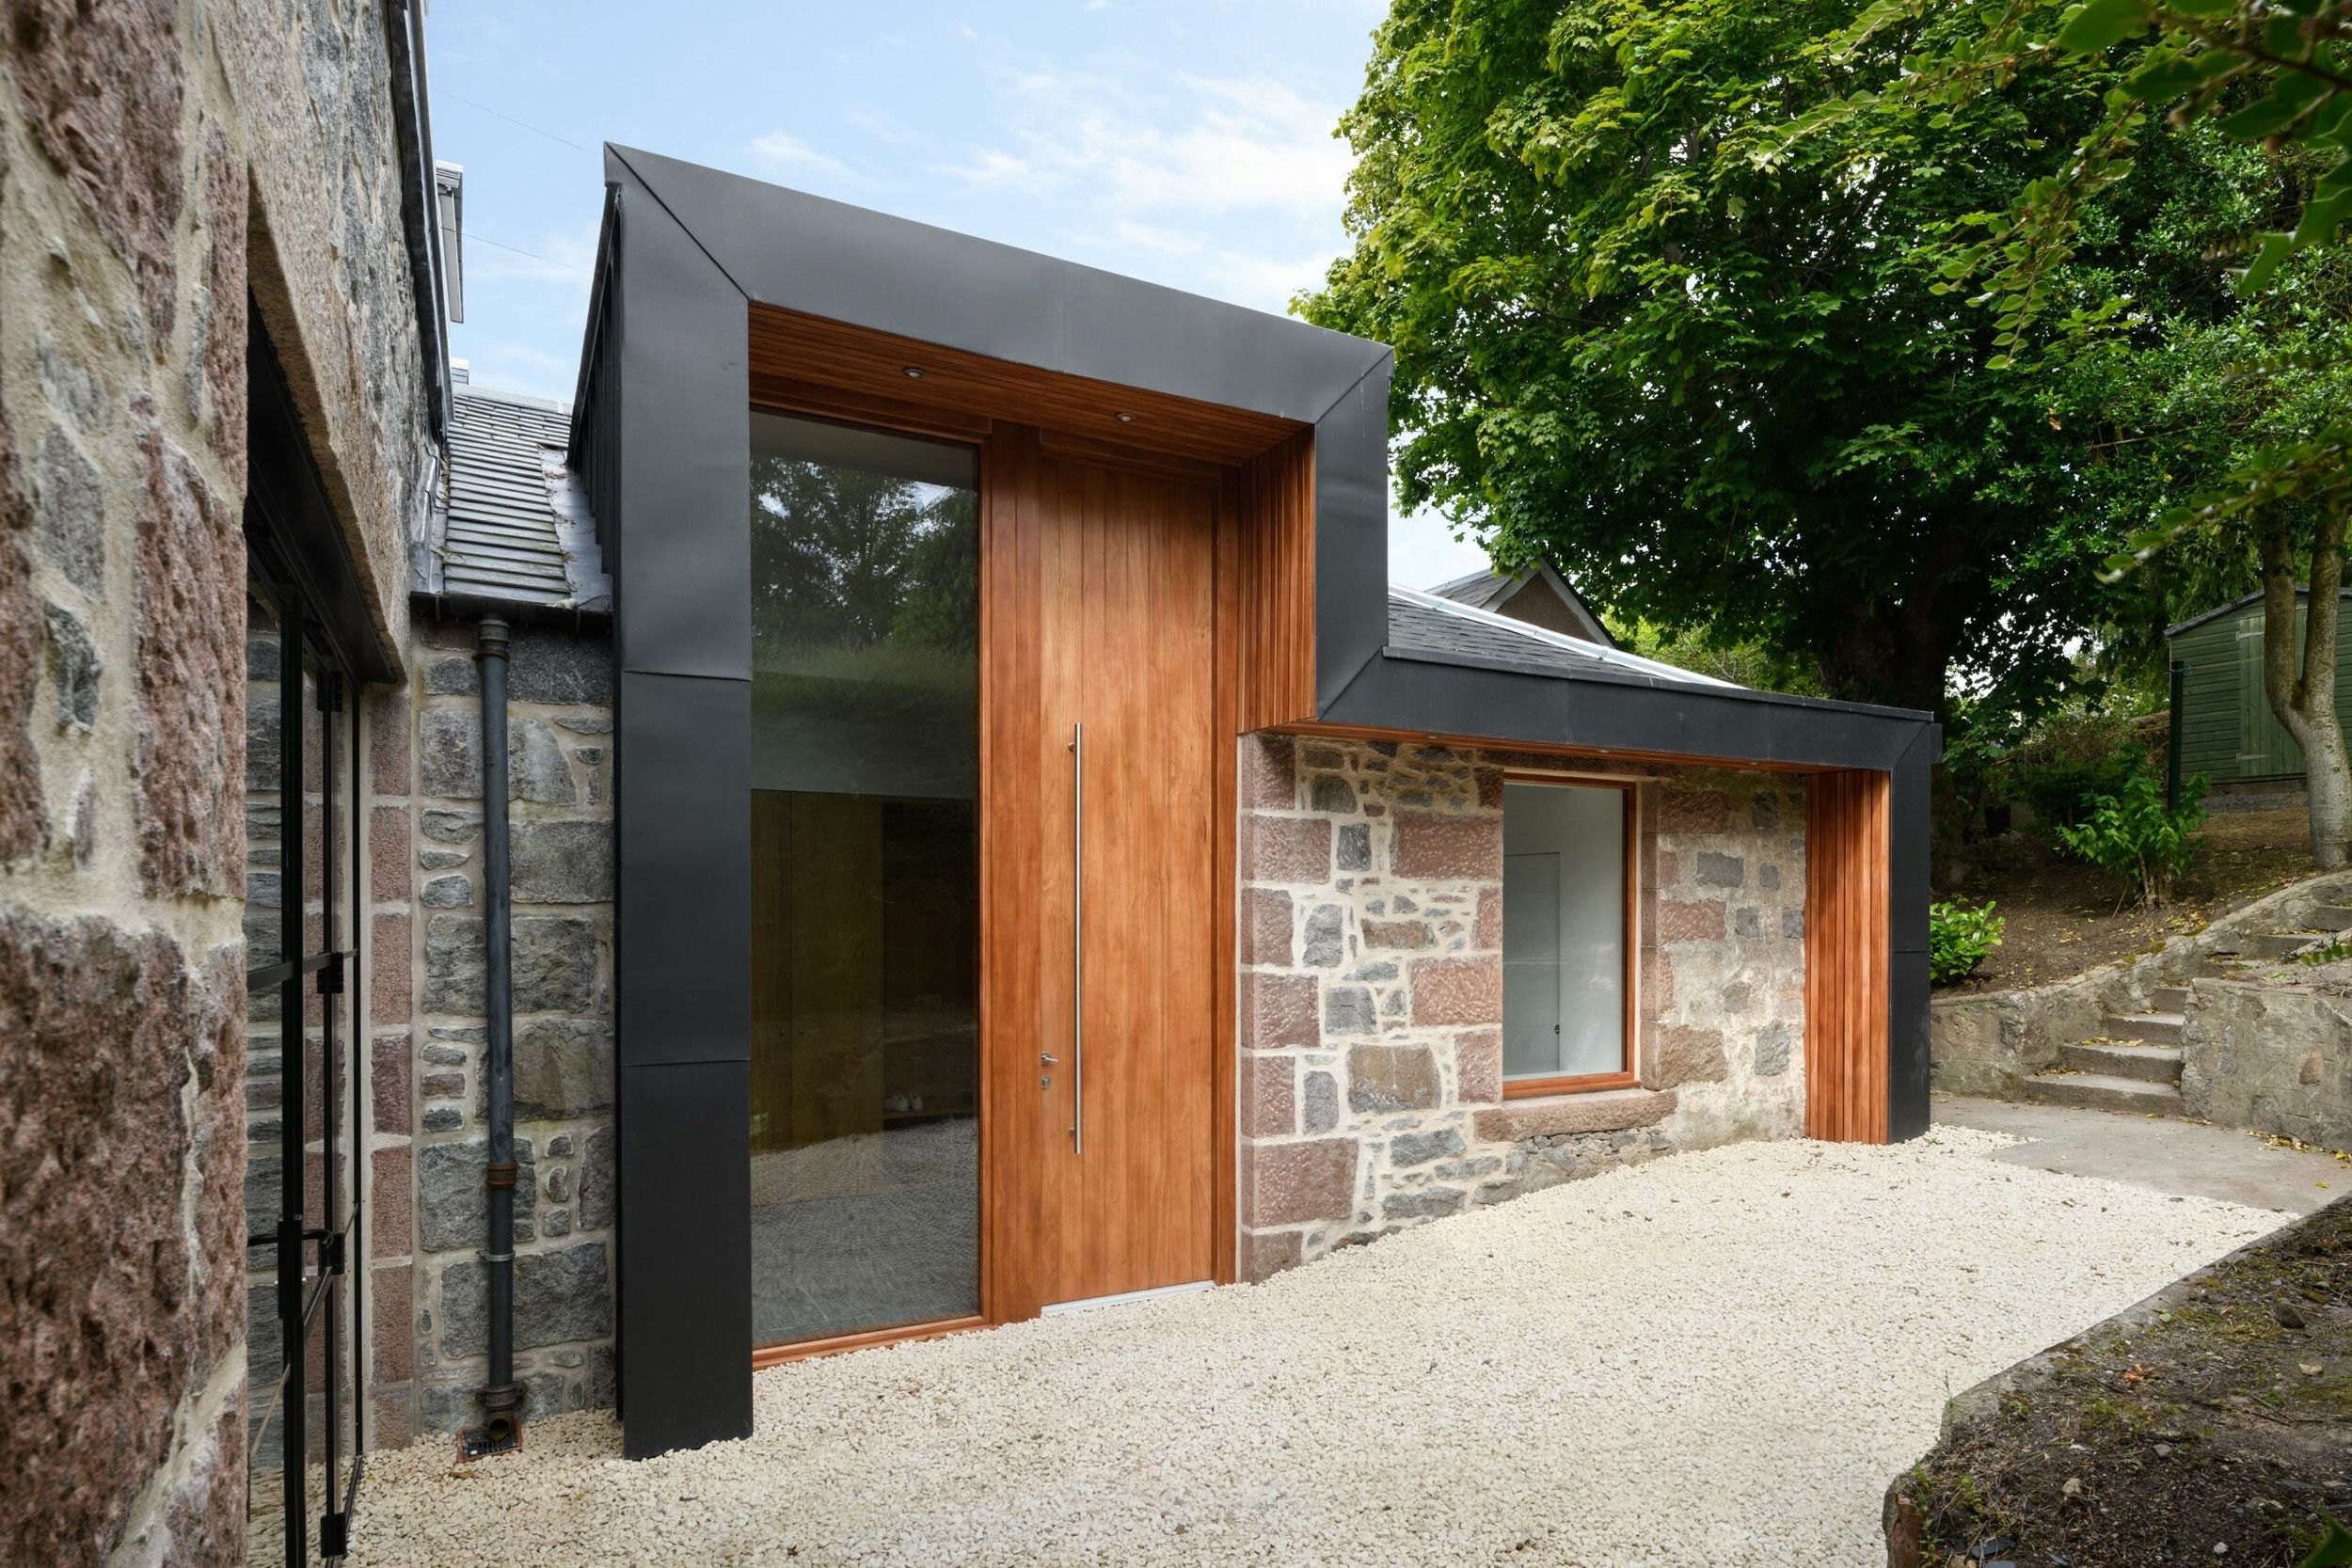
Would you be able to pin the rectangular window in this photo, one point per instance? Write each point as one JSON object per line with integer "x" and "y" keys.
{"x": 1567, "y": 981}
{"x": 864, "y": 581}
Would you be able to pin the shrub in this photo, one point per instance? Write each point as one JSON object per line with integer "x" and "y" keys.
{"x": 2134, "y": 835}
{"x": 2072, "y": 759}
{"x": 1959, "y": 939}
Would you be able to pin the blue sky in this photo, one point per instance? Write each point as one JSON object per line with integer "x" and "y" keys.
{"x": 1185, "y": 141}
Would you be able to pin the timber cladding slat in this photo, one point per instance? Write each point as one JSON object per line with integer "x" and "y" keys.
{"x": 1846, "y": 958}
{"x": 1277, "y": 585}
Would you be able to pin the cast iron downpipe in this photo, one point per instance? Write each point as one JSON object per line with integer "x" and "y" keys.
{"x": 501, "y": 1396}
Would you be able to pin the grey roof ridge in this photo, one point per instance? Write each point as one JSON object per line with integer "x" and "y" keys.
{"x": 1447, "y": 589}
{"x": 1597, "y": 653}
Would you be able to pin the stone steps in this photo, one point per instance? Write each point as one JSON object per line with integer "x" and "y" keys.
{"x": 2152, "y": 1064}
{"x": 2148, "y": 1028}
{"x": 2280, "y": 944}
{"x": 2170, "y": 998}
{"x": 2331, "y": 917}
{"x": 2099, "y": 1091}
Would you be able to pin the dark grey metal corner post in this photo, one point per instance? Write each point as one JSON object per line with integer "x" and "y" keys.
{"x": 501, "y": 1396}
{"x": 1911, "y": 784}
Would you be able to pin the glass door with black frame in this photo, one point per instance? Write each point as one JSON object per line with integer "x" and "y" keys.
{"x": 302, "y": 1173}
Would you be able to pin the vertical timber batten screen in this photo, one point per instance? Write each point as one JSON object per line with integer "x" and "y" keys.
{"x": 1277, "y": 585}
{"x": 1847, "y": 1006}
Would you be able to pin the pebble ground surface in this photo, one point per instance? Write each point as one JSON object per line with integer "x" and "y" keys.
{"x": 1720, "y": 1357}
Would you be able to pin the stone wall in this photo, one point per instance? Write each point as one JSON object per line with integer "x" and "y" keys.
{"x": 430, "y": 1136}
{"x": 2275, "y": 1058}
{"x": 156, "y": 162}
{"x": 1989, "y": 1042}
{"x": 1371, "y": 994}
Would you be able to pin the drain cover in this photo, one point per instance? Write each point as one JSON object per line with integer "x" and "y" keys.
{"x": 490, "y": 1437}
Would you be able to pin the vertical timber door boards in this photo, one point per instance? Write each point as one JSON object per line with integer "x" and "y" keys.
{"x": 1015, "y": 870}
{"x": 1847, "y": 962}
{"x": 1100, "y": 610}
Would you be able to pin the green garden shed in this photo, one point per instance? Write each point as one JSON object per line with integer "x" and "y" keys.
{"x": 2222, "y": 723}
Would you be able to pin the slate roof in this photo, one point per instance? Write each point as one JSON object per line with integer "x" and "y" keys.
{"x": 1426, "y": 625}
{"x": 512, "y": 525}
{"x": 1491, "y": 590}
{"x": 1478, "y": 590}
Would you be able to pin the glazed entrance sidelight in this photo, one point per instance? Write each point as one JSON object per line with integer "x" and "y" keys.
{"x": 865, "y": 1110}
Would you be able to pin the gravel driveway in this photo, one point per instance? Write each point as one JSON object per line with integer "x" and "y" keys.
{"x": 1719, "y": 1357}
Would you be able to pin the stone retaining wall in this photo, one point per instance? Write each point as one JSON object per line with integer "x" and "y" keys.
{"x": 429, "y": 1137}
{"x": 2272, "y": 1059}
{"x": 1986, "y": 1044}
{"x": 1370, "y": 987}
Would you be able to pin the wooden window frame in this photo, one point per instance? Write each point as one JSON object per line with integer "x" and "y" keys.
{"x": 1630, "y": 876}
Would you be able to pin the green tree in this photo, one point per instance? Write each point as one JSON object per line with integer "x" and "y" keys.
{"x": 1662, "y": 281}
{"x": 2253, "y": 403}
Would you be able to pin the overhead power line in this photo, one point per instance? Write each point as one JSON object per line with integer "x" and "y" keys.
{"x": 510, "y": 120}
{"x": 520, "y": 251}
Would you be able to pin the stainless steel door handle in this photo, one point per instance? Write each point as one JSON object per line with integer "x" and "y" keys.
{"x": 1078, "y": 938}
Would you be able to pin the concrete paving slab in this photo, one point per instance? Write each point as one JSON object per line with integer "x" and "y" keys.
{"x": 2162, "y": 1153}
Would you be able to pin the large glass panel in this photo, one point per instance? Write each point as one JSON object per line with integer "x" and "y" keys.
{"x": 1564, "y": 959}
{"x": 865, "y": 879}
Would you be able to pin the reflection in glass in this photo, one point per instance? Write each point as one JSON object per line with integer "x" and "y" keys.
{"x": 1562, "y": 930}
{"x": 865, "y": 879}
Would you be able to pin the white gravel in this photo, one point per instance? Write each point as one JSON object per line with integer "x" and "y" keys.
{"x": 1719, "y": 1357}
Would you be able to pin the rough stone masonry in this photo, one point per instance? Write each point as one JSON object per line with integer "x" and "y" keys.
{"x": 1371, "y": 931}
{"x": 430, "y": 1130}
{"x": 161, "y": 166}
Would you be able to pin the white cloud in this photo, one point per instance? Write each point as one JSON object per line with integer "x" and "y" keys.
{"x": 504, "y": 365}
{"x": 881, "y": 127}
{"x": 1422, "y": 551}
{"x": 778, "y": 152}
{"x": 1249, "y": 277}
{"x": 1201, "y": 147}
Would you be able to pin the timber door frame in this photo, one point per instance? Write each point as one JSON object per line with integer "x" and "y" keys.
{"x": 1009, "y": 621}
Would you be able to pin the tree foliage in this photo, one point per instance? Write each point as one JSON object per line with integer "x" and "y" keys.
{"x": 2256, "y": 406}
{"x": 1667, "y": 285}
{"x": 2269, "y": 74}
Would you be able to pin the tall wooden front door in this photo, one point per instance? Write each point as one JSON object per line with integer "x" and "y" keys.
{"x": 1100, "y": 759}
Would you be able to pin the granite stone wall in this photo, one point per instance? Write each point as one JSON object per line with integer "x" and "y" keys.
{"x": 429, "y": 1132}
{"x": 1370, "y": 995}
{"x": 158, "y": 162}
